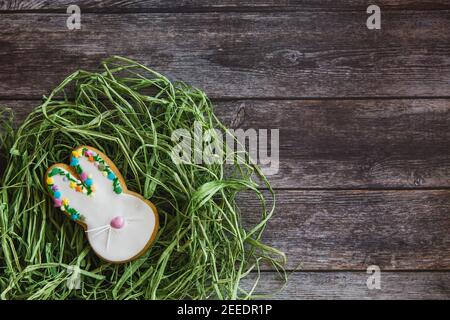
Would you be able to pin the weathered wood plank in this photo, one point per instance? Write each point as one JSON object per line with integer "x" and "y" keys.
{"x": 110, "y": 5}
{"x": 353, "y": 143}
{"x": 349, "y": 230}
{"x": 352, "y": 285}
{"x": 345, "y": 143}
{"x": 281, "y": 54}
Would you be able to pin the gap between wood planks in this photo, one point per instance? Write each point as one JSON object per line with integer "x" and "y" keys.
{"x": 216, "y": 6}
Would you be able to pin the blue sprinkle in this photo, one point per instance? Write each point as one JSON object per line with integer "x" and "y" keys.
{"x": 57, "y": 194}
{"x": 74, "y": 216}
{"x": 88, "y": 182}
{"x": 111, "y": 176}
{"x": 74, "y": 162}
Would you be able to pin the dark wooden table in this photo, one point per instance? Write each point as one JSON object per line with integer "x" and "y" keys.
{"x": 364, "y": 116}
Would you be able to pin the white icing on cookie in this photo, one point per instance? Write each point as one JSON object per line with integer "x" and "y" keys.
{"x": 119, "y": 225}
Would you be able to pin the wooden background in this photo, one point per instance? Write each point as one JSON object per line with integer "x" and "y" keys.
{"x": 364, "y": 117}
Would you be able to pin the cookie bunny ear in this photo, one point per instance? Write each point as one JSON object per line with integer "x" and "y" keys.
{"x": 64, "y": 187}
{"x": 96, "y": 170}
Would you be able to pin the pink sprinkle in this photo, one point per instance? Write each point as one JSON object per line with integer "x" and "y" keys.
{"x": 117, "y": 222}
{"x": 88, "y": 153}
{"x": 83, "y": 176}
{"x": 58, "y": 202}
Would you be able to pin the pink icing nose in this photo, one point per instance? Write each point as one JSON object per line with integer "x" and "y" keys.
{"x": 117, "y": 222}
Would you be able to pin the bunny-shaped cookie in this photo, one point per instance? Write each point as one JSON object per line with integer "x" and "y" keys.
{"x": 120, "y": 224}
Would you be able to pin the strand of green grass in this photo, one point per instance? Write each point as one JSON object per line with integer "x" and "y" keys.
{"x": 128, "y": 111}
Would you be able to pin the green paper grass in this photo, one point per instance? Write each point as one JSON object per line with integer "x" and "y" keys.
{"x": 129, "y": 112}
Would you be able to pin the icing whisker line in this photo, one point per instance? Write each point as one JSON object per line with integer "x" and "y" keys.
{"x": 95, "y": 229}
{"x": 101, "y": 231}
{"x": 107, "y": 240}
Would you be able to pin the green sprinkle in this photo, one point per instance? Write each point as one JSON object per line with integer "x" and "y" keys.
{"x": 54, "y": 172}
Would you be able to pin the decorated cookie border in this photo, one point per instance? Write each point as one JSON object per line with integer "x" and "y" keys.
{"x": 100, "y": 163}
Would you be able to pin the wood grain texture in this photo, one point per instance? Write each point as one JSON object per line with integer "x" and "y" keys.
{"x": 350, "y": 230}
{"x": 117, "y": 5}
{"x": 353, "y": 143}
{"x": 344, "y": 143}
{"x": 352, "y": 285}
{"x": 278, "y": 55}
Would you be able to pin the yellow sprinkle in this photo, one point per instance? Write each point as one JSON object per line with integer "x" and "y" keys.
{"x": 65, "y": 201}
{"x": 105, "y": 173}
{"x": 73, "y": 185}
{"x": 76, "y": 153}
{"x": 49, "y": 180}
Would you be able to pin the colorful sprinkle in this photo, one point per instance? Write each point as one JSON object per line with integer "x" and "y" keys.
{"x": 49, "y": 180}
{"x": 54, "y": 187}
{"x": 76, "y": 153}
{"x": 83, "y": 176}
{"x": 57, "y": 202}
{"x": 74, "y": 162}
{"x": 57, "y": 195}
{"x": 54, "y": 172}
{"x": 111, "y": 176}
{"x": 88, "y": 182}
{"x": 65, "y": 202}
{"x": 118, "y": 189}
{"x": 72, "y": 185}
{"x": 75, "y": 216}
{"x": 90, "y": 153}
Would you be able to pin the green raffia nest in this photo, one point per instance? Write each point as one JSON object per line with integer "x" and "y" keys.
{"x": 129, "y": 112}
